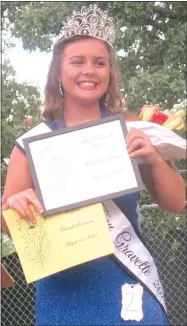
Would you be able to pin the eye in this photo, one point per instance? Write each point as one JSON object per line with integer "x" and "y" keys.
{"x": 100, "y": 63}
{"x": 77, "y": 62}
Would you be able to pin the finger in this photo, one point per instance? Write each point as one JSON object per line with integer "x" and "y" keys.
{"x": 14, "y": 204}
{"x": 5, "y": 206}
{"x": 138, "y": 143}
{"x": 35, "y": 201}
{"x": 24, "y": 203}
{"x": 138, "y": 138}
{"x": 38, "y": 206}
{"x": 139, "y": 153}
{"x": 136, "y": 134}
{"x": 32, "y": 198}
{"x": 131, "y": 131}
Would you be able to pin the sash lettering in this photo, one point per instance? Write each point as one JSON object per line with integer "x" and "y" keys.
{"x": 131, "y": 252}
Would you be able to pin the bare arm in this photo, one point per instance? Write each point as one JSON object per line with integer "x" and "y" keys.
{"x": 165, "y": 185}
{"x": 18, "y": 175}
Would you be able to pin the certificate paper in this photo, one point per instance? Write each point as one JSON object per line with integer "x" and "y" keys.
{"x": 60, "y": 241}
{"x": 82, "y": 165}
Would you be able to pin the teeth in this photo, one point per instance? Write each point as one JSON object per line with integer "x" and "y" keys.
{"x": 87, "y": 84}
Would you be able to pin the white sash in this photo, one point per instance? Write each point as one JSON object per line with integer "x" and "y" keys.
{"x": 131, "y": 252}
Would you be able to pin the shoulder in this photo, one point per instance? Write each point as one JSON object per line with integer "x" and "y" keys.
{"x": 41, "y": 128}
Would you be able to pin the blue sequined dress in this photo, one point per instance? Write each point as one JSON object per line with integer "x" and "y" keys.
{"x": 90, "y": 294}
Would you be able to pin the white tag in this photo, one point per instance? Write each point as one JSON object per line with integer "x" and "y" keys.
{"x": 132, "y": 302}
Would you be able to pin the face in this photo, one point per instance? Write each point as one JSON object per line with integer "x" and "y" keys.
{"x": 85, "y": 70}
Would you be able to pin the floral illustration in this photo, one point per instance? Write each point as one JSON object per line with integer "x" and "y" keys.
{"x": 37, "y": 243}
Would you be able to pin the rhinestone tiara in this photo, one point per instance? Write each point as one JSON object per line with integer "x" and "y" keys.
{"x": 89, "y": 21}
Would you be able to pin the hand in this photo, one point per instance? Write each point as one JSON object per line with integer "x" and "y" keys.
{"x": 139, "y": 145}
{"x": 20, "y": 202}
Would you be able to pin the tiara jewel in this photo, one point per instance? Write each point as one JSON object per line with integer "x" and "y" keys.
{"x": 91, "y": 21}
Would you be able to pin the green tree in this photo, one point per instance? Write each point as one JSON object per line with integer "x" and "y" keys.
{"x": 153, "y": 38}
{"x": 19, "y": 102}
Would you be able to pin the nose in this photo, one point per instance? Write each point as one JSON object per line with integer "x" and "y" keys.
{"x": 88, "y": 69}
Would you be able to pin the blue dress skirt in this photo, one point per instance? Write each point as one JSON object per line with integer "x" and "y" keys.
{"x": 90, "y": 294}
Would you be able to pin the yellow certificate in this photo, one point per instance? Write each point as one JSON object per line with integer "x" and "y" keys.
{"x": 60, "y": 241}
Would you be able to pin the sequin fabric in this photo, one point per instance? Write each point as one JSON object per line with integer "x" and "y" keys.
{"x": 90, "y": 294}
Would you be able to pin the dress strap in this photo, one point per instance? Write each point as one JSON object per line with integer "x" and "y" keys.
{"x": 55, "y": 125}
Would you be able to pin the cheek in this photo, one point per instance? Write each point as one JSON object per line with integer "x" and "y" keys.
{"x": 68, "y": 76}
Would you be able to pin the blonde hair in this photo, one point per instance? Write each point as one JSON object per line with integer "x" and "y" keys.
{"x": 53, "y": 104}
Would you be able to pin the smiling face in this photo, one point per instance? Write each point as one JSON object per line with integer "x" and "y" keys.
{"x": 85, "y": 70}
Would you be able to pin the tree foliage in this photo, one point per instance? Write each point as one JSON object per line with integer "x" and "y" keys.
{"x": 153, "y": 38}
{"x": 19, "y": 101}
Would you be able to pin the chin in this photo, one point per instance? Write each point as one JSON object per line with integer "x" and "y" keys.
{"x": 88, "y": 99}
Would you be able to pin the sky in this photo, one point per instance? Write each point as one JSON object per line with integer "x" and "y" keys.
{"x": 32, "y": 67}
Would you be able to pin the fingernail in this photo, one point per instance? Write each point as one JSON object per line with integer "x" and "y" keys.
{"x": 41, "y": 210}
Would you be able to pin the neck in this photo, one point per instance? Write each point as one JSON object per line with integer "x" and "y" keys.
{"x": 77, "y": 113}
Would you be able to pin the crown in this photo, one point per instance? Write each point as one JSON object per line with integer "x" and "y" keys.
{"x": 89, "y": 21}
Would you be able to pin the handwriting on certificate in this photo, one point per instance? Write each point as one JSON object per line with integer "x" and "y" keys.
{"x": 61, "y": 241}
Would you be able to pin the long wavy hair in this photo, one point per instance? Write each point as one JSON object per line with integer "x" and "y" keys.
{"x": 53, "y": 103}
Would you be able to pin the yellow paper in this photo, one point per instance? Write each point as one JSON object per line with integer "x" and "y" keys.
{"x": 60, "y": 241}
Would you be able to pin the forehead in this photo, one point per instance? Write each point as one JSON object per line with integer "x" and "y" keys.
{"x": 86, "y": 47}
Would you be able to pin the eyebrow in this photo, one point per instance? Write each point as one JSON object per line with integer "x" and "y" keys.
{"x": 82, "y": 57}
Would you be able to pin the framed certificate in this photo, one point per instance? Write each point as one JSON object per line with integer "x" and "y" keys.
{"x": 82, "y": 165}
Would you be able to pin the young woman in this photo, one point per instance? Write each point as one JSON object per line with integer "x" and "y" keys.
{"x": 82, "y": 86}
